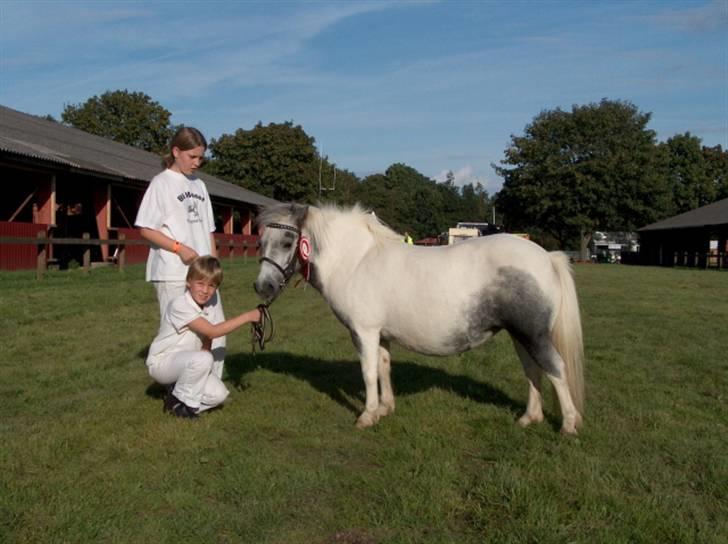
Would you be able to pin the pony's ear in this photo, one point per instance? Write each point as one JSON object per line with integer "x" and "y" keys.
{"x": 299, "y": 212}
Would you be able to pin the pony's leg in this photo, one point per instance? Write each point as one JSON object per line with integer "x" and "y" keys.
{"x": 386, "y": 401}
{"x": 571, "y": 417}
{"x": 534, "y": 408}
{"x": 543, "y": 352}
{"x": 368, "y": 346}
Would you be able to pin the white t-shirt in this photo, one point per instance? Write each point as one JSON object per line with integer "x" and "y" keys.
{"x": 174, "y": 335}
{"x": 179, "y": 206}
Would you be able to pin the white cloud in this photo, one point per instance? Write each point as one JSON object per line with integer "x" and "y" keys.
{"x": 462, "y": 176}
{"x": 711, "y": 17}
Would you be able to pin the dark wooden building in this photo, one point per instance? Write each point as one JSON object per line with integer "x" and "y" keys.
{"x": 65, "y": 182}
{"x": 695, "y": 238}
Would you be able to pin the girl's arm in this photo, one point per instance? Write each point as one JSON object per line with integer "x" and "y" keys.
{"x": 159, "y": 239}
{"x": 213, "y": 245}
{"x": 204, "y": 328}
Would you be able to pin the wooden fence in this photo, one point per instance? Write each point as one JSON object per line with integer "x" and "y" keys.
{"x": 42, "y": 242}
{"x": 695, "y": 259}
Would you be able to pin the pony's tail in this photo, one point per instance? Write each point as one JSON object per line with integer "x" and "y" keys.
{"x": 566, "y": 334}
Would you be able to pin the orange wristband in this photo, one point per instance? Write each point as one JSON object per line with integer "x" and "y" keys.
{"x": 175, "y": 247}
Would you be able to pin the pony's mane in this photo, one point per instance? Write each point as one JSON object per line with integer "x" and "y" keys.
{"x": 356, "y": 215}
{"x": 316, "y": 220}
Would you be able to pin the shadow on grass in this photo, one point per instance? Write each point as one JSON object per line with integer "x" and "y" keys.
{"x": 342, "y": 380}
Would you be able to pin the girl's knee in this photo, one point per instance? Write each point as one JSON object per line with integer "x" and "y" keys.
{"x": 202, "y": 361}
{"x": 215, "y": 393}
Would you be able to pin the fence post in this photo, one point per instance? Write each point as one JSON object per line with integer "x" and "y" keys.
{"x": 121, "y": 257}
{"x": 41, "y": 263}
{"x": 86, "y": 254}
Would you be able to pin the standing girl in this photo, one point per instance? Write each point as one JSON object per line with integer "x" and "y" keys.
{"x": 176, "y": 217}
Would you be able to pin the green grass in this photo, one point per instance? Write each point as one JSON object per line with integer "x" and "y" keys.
{"x": 86, "y": 454}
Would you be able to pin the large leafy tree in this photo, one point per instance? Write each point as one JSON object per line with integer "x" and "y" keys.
{"x": 404, "y": 199}
{"x": 475, "y": 203}
{"x": 451, "y": 208}
{"x": 132, "y": 118}
{"x": 278, "y": 160}
{"x": 409, "y": 201}
{"x": 392, "y": 196}
{"x": 716, "y": 161}
{"x": 689, "y": 173}
{"x": 596, "y": 167}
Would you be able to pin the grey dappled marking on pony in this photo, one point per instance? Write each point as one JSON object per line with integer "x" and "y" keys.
{"x": 433, "y": 300}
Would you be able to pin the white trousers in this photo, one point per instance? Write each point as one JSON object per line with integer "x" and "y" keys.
{"x": 195, "y": 383}
{"x": 167, "y": 290}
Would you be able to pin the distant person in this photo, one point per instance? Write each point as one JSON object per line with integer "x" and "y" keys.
{"x": 176, "y": 217}
{"x": 180, "y": 354}
{"x": 408, "y": 238}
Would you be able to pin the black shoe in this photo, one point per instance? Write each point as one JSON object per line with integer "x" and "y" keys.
{"x": 169, "y": 398}
{"x": 179, "y": 408}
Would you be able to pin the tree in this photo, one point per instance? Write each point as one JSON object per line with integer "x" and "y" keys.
{"x": 409, "y": 201}
{"x": 476, "y": 205}
{"x": 405, "y": 200}
{"x": 717, "y": 165}
{"x": 391, "y": 195}
{"x": 278, "y": 160}
{"x": 688, "y": 173}
{"x": 572, "y": 173}
{"x": 451, "y": 208}
{"x": 132, "y": 118}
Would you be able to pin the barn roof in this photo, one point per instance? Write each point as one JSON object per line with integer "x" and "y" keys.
{"x": 712, "y": 214}
{"x": 37, "y": 139}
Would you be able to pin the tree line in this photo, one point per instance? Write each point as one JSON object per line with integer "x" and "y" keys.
{"x": 595, "y": 167}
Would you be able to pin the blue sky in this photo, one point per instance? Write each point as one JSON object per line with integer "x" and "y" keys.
{"x": 439, "y": 86}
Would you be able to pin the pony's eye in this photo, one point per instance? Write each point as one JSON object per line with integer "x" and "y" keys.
{"x": 287, "y": 245}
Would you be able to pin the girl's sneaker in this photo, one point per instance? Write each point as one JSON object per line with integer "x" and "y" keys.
{"x": 178, "y": 408}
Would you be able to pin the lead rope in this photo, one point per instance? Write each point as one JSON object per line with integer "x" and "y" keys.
{"x": 262, "y": 331}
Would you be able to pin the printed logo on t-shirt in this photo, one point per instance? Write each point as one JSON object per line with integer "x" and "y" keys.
{"x": 192, "y": 202}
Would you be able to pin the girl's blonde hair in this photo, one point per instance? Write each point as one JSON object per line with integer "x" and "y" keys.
{"x": 205, "y": 268}
{"x": 185, "y": 138}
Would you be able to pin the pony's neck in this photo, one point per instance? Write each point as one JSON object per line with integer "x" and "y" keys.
{"x": 342, "y": 242}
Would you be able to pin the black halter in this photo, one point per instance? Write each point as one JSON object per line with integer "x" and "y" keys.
{"x": 290, "y": 268}
{"x": 258, "y": 329}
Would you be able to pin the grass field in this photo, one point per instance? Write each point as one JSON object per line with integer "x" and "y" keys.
{"x": 86, "y": 454}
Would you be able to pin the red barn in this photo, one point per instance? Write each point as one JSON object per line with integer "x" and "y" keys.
{"x": 64, "y": 182}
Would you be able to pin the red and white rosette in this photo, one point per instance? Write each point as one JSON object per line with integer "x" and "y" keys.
{"x": 304, "y": 249}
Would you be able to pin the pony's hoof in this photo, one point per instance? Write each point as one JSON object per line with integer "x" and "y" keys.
{"x": 384, "y": 410}
{"x": 525, "y": 420}
{"x": 571, "y": 425}
{"x": 568, "y": 429}
{"x": 367, "y": 419}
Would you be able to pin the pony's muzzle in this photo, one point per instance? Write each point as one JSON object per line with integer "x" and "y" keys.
{"x": 265, "y": 288}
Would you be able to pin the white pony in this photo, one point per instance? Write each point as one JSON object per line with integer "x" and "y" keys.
{"x": 433, "y": 300}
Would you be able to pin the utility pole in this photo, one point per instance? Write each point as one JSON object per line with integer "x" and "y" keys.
{"x": 321, "y": 166}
